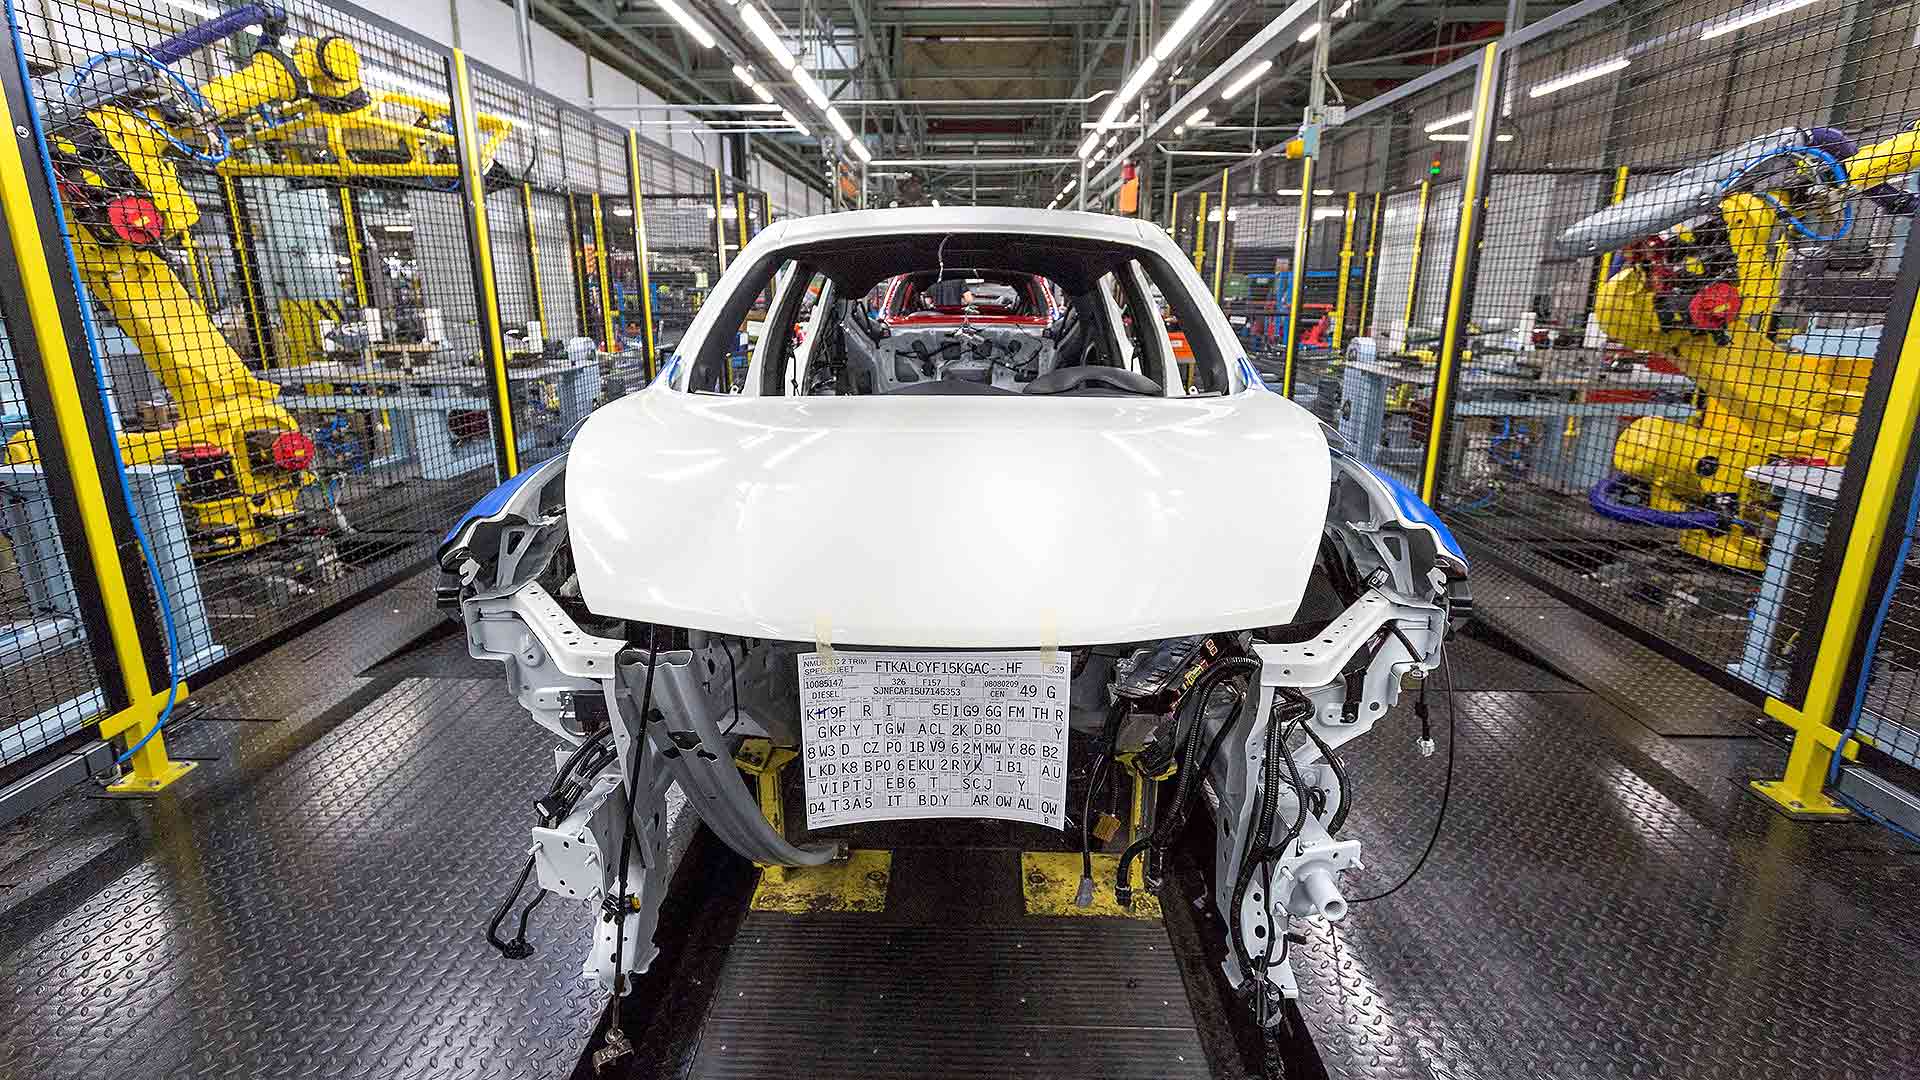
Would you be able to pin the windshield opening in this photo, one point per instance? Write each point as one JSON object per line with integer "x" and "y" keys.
{"x": 956, "y": 314}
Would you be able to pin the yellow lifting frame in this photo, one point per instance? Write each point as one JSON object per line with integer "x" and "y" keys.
{"x": 640, "y": 247}
{"x": 473, "y": 187}
{"x": 1453, "y": 328}
{"x": 600, "y": 269}
{"x": 1220, "y": 241}
{"x": 1373, "y": 259}
{"x": 1346, "y": 271}
{"x": 1302, "y": 230}
{"x": 152, "y": 770}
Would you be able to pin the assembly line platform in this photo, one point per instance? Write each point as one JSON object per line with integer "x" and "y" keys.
{"x": 1604, "y": 901}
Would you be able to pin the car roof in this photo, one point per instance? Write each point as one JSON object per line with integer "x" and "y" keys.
{"x": 963, "y": 219}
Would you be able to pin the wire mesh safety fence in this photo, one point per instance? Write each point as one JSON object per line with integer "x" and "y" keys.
{"x": 49, "y": 687}
{"x": 1689, "y": 253}
{"x": 1257, "y": 273}
{"x": 268, "y": 235}
{"x": 683, "y": 258}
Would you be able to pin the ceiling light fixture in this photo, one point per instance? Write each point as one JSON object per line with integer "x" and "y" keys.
{"x": 1183, "y": 26}
{"x": 1246, "y": 79}
{"x": 839, "y": 124}
{"x": 1309, "y": 33}
{"x": 1199, "y": 114}
{"x": 1578, "y": 77}
{"x": 1449, "y": 121}
{"x": 811, "y": 87}
{"x": 680, "y": 15}
{"x": 1741, "y": 22}
{"x": 859, "y": 148}
{"x": 763, "y": 32}
{"x": 797, "y": 125}
{"x": 1087, "y": 144}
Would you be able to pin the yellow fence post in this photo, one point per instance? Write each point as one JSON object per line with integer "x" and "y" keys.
{"x": 719, "y": 223}
{"x": 1220, "y": 241}
{"x": 1419, "y": 235}
{"x": 1466, "y": 261}
{"x": 533, "y": 259}
{"x": 1606, "y": 257}
{"x": 493, "y": 343}
{"x": 356, "y": 248}
{"x": 1173, "y": 216}
{"x": 241, "y": 229}
{"x": 51, "y": 333}
{"x": 1200, "y": 233}
{"x": 1373, "y": 257}
{"x": 635, "y": 193}
{"x": 1346, "y": 271}
{"x": 1296, "y": 289}
{"x": 1816, "y": 723}
{"x": 600, "y": 271}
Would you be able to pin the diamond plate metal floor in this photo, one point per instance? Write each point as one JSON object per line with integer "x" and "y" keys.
{"x": 1604, "y": 902}
{"x": 311, "y": 903}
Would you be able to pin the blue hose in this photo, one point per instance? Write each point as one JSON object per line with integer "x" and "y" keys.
{"x": 1848, "y": 733}
{"x": 100, "y": 385}
{"x": 1839, "y": 174}
{"x": 186, "y": 88}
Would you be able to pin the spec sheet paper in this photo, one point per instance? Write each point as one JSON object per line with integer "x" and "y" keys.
{"x": 889, "y": 736}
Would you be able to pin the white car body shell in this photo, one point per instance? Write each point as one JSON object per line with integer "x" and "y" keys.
{"x": 958, "y": 522}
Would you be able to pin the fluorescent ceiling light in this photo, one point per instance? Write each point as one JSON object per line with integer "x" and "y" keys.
{"x": 1461, "y": 136}
{"x": 1246, "y": 79}
{"x": 839, "y": 124}
{"x": 763, "y": 93}
{"x": 811, "y": 87}
{"x": 1449, "y": 121}
{"x": 1086, "y": 145}
{"x": 693, "y": 29}
{"x": 1128, "y": 90}
{"x": 1309, "y": 33}
{"x": 1578, "y": 77}
{"x": 745, "y": 76}
{"x": 1341, "y": 11}
{"x": 1323, "y": 191}
{"x": 1325, "y": 212}
{"x": 1199, "y": 114}
{"x": 797, "y": 125}
{"x": 1741, "y": 22}
{"x": 859, "y": 148}
{"x": 1182, "y": 27}
{"x": 763, "y": 31}
{"x": 623, "y": 211}
{"x": 395, "y": 80}
{"x": 1179, "y": 130}
{"x": 1071, "y": 184}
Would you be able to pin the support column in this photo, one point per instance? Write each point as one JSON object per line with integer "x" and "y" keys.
{"x": 486, "y": 299}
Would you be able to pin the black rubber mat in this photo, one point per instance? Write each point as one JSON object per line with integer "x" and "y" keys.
{"x": 854, "y": 996}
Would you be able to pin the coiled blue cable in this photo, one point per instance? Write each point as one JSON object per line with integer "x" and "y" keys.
{"x": 1839, "y": 175}
{"x": 100, "y": 385}
{"x": 186, "y": 88}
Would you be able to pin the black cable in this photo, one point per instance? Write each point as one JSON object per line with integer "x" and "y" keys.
{"x": 628, "y": 780}
{"x": 1109, "y": 738}
{"x": 1446, "y": 792}
{"x": 1201, "y": 695}
{"x": 1339, "y": 777}
{"x": 518, "y": 949}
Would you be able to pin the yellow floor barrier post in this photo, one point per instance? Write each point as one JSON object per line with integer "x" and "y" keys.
{"x": 493, "y": 344}
{"x": 1816, "y": 722}
{"x": 51, "y": 322}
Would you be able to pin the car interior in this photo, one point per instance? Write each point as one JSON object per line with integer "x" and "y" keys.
{"x": 957, "y": 314}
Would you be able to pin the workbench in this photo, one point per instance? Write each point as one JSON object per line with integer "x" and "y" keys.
{"x": 1808, "y": 494}
{"x": 1488, "y": 389}
{"x": 418, "y": 404}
